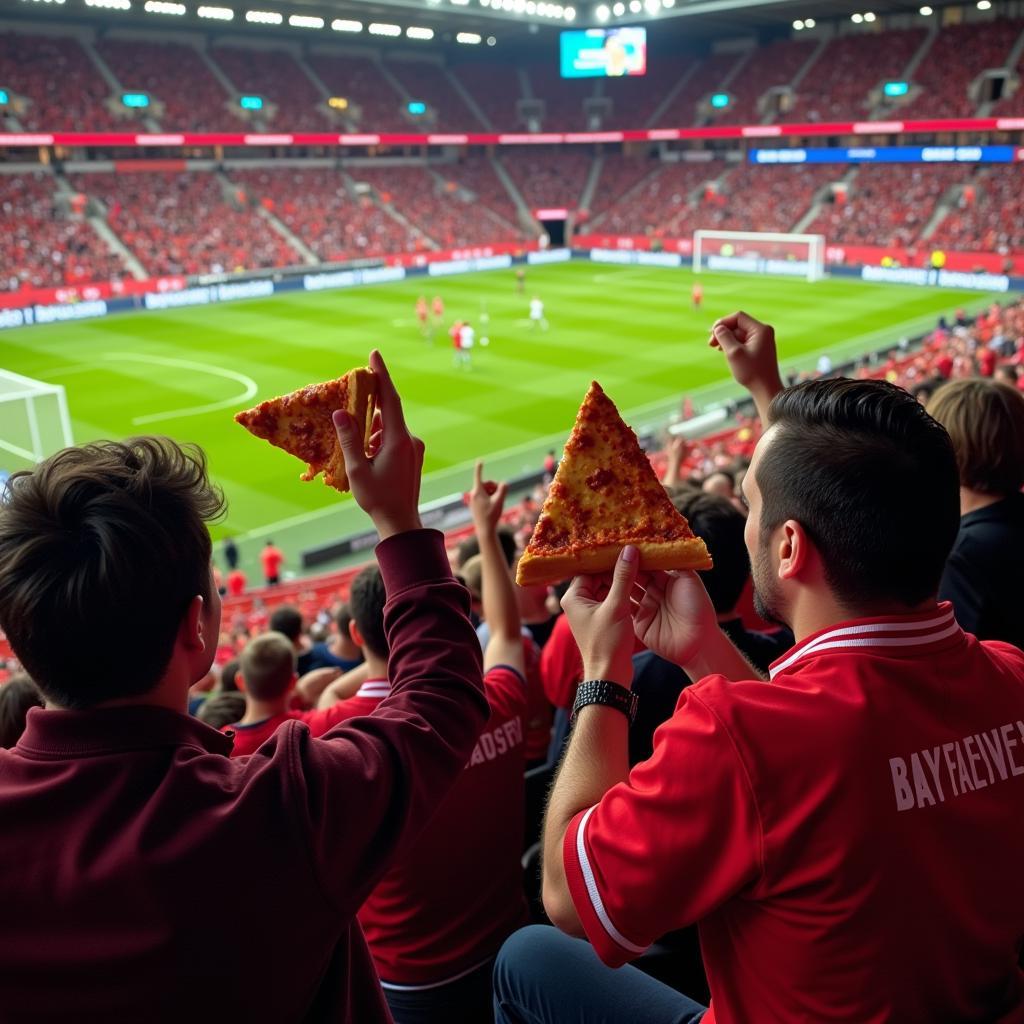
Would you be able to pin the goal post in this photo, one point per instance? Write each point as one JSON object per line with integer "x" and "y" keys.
{"x": 760, "y": 252}
{"x": 34, "y": 420}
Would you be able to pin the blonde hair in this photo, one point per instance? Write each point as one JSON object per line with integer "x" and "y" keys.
{"x": 985, "y": 420}
{"x": 267, "y": 665}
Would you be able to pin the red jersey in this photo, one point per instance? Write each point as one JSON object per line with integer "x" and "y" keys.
{"x": 421, "y": 309}
{"x": 249, "y": 738}
{"x": 848, "y": 836}
{"x": 454, "y": 895}
{"x": 697, "y": 292}
{"x": 438, "y": 307}
{"x": 236, "y": 582}
{"x": 561, "y": 666}
{"x": 456, "y": 335}
{"x": 271, "y": 558}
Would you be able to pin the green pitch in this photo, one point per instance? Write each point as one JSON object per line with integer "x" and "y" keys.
{"x": 184, "y": 373}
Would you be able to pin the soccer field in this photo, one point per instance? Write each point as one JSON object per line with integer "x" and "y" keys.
{"x": 184, "y": 373}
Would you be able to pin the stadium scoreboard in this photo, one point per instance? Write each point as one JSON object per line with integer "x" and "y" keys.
{"x": 604, "y": 53}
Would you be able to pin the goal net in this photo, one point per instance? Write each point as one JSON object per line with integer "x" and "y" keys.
{"x": 34, "y": 421}
{"x": 756, "y": 252}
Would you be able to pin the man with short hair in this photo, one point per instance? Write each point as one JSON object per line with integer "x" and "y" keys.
{"x": 267, "y": 669}
{"x": 340, "y": 651}
{"x": 115, "y": 802}
{"x": 847, "y": 834}
{"x": 436, "y": 920}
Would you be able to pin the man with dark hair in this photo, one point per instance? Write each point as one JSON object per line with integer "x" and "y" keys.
{"x": 340, "y": 651}
{"x": 114, "y": 801}
{"x": 983, "y": 575}
{"x": 287, "y": 620}
{"x": 846, "y": 835}
{"x": 17, "y": 696}
{"x": 438, "y": 917}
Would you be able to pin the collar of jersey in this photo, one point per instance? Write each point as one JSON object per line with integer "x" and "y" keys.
{"x": 894, "y": 635}
{"x": 374, "y": 688}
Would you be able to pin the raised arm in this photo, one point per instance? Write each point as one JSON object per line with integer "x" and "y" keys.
{"x": 370, "y": 784}
{"x": 749, "y": 347}
{"x": 501, "y": 609}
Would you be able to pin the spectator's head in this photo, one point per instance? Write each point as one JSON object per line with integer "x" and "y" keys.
{"x": 228, "y": 673}
{"x": 721, "y": 482}
{"x": 923, "y": 393}
{"x": 222, "y": 709}
{"x": 366, "y": 602}
{"x": 17, "y": 695}
{"x": 853, "y": 493}
{"x": 721, "y": 525}
{"x": 105, "y": 563}
{"x": 267, "y": 666}
{"x": 287, "y": 620}
{"x": 472, "y": 575}
{"x": 1006, "y": 375}
{"x": 344, "y": 644}
{"x": 470, "y": 547}
{"x": 985, "y": 419}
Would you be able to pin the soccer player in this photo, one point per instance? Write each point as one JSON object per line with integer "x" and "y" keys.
{"x": 456, "y": 335}
{"x": 467, "y": 339}
{"x": 696, "y": 295}
{"x": 537, "y": 318}
{"x": 115, "y": 803}
{"x": 847, "y": 836}
{"x": 520, "y": 281}
{"x": 423, "y": 315}
{"x": 437, "y": 306}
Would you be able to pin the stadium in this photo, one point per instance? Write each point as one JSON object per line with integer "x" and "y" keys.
{"x": 787, "y": 240}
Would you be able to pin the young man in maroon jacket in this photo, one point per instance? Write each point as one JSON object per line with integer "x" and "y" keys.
{"x": 115, "y": 803}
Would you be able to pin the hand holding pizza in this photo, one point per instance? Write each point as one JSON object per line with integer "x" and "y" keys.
{"x": 385, "y": 480}
{"x": 749, "y": 347}
{"x": 600, "y": 612}
{"x": 675, "y": 615}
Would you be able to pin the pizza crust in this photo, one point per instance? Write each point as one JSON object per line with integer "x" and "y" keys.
{"x": 541, "y": 569}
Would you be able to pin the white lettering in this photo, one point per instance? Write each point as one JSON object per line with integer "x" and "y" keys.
{"x": 961, "y": 769}
{"x": 996, "y": 751}
{"x": 946, "y": 752}
{"x": 931, "y": 758}
{"x": 904, "y": 794}
{"x": 1009, "y": 742}
{"x": 972, "y": 757}
{"x": 984, "y": 756}
{"x": 924, "y": 794}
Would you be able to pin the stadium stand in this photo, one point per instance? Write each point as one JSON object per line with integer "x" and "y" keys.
{"x": 838, "y": 85}
{"x": 1012, "y": 104}
{"x": 495, "y": 88}
{"x": 184, "y": 223}
{"x": 64, "y": 90}
{"x": 708, "y": 77}
{"x": 619, "y": 175}
{"x": 774, "y": 65}
{"x": 959, "y": 54}
{"x": 887, "y": 204}
{"x": 635, "y": 99}
{"x": 659, "y": 202}
{"x": 563, "y": 98}
{"x": 548, "y": 177}
{"x": 992, "y": 220}
{"x": 316, "y": 207}
{"x": 476, "y": 173}
{"x": 276, "y": 77}
{"x": 755, "y": 198}
{"x": 176, "y": 76}
{"x": 423, "y": 200}
{"x": 428, "y": 83}
{"x": 41, "y": 244}
{"x": 374, "y": 103}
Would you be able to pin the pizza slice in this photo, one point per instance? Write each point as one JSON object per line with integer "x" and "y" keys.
{"x": 605, "y": 495}
{"x": 301, "y": 422}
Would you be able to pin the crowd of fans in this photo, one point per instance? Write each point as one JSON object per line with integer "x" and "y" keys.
{"x": 185, "y": 224}
{"x": 841, "y": 84}
{"x": 391, "y": 691}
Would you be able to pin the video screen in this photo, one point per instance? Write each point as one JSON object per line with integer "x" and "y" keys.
{"x": 604, "y": 53}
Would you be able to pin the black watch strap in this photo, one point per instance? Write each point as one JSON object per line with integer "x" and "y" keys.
{"x": 611, "y": 695}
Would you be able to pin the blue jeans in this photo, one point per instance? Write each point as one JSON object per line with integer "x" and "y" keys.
{"x": 464, "y": 1001}
{"x": 544, "y": 977}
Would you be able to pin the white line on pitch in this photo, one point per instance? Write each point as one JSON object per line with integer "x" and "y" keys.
{"x": 187, "y": 364}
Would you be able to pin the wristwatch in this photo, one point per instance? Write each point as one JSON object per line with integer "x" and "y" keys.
{"x": 611, "y": 695}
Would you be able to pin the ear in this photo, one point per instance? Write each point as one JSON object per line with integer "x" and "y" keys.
{"x": 354, "y": 634}
{"x": 794, "y": 550}
{"x": 192, "y": 626}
